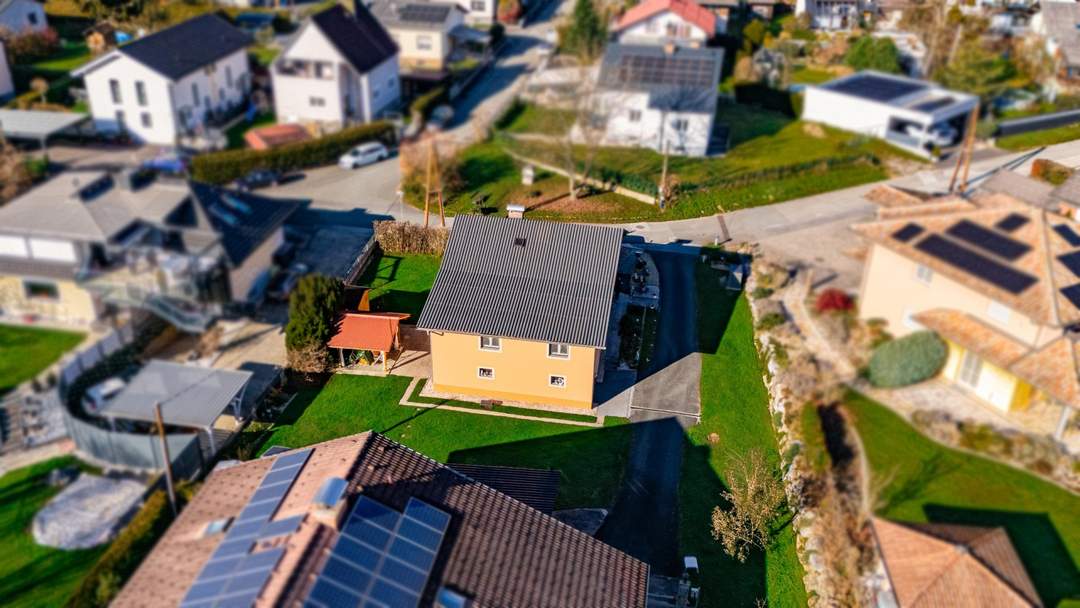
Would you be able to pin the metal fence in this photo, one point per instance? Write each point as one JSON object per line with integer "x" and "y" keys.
{"x": 133, "y": 451}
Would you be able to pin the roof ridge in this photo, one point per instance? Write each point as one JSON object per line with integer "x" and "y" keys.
{"x": 1044, "y": 241}
{"x": 979, "y": 563}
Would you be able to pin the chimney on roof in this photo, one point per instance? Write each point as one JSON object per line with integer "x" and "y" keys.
{"x": 670, "y": 48}
{"x": 515, "y": 211}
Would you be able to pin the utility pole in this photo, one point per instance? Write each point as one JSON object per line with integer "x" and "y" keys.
{"x": 165, "y": 453}
{"x": 433, "y": 172}
{"x": 963, "y": 159}
{"x": 663, "y": 177}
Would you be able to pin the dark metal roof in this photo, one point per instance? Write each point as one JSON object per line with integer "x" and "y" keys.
{"x": 181, "y": 49}
{"x": 28, "y": 269}
{"x": 359, "y": 37}
{"x": 537, "y": 488}
{"x": 685, "y": 79}
{"x": 876, "y": 87}
{"x": 518, "y": 278}
{"x": 424, "y": 13}
{"x": 243, "y": 220}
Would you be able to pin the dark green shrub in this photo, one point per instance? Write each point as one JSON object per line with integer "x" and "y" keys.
{"x": 313, "y": 309}
{"x": 125, "y": 552}
{"x": 907, "y": 360}
{"x": 760, "y": 293}
{"x": 771, "y": 321}
{"x": 423, "y": 105}
{"x": 225, "y": 166}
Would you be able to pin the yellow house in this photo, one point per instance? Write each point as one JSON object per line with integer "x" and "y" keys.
{"x": 520, "y": 310}
{"x": 425, "y": 32}
{"x": 997, "y": 277}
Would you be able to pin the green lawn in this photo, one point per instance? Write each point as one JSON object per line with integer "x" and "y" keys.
{"x": 734, "y": 405}
{"x": 25, "y": 351}
{"x": 235, "y": 134}
{"x": 32, "y": 575}
{"x": 929, "y": 482}
{"x": 400, "y": 283}
{"x": 591, "y": 460}
{"x": 804, "y": 75}
{"x": 1035, "y": 139}
{"x": 531, "y": 118}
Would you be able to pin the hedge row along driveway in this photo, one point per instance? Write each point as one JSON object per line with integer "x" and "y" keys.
{"x": 225, "y": 166}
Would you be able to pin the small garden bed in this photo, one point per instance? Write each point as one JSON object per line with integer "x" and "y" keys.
{"x": 637, "y": 336}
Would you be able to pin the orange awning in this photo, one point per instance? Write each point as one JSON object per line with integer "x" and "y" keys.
{"x": 367, "y": 331}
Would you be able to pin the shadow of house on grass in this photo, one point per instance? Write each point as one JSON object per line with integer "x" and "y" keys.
{"x": 1036, "y": 540}
{"x": 382, "y": 272}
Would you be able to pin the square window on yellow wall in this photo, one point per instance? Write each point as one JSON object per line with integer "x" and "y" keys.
{"x": 486, "y": 373}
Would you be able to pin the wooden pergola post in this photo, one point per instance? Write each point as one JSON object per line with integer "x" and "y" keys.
{"x": 383, "y": 353}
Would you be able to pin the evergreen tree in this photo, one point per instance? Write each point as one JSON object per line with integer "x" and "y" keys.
{"x": 586, "y": 33}
{"x": 313, "y": 308}
{"x": 870, "y": 53}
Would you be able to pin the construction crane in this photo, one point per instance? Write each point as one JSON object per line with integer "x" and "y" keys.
{"x": 963, "y": 159}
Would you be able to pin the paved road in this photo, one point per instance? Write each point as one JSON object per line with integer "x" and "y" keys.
{"x": 645, "y": 519}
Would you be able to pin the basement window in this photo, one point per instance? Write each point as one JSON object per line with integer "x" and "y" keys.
{"x": 486, "y": 373}
{"x": 557, "y": 381}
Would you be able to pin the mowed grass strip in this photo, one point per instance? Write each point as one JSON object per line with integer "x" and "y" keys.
{"x": 25, "y": 351}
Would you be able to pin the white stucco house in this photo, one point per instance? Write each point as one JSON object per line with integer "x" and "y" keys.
{"x": 21, "y": 15}
{"x": 834, "y": 15}
{"x": 424, "y": 33}
{"x": 912, "y": 114}
{"x": 7, "y": 87}
{"x": 657, "y": 97}
{"x": 479, "y": 12}
{"x": 171, "y": 85}
{"x": 668, "y": 21}
{"x": 339, "y": 69}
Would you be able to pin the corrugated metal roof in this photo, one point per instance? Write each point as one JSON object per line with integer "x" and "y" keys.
{"x": 519, "y": 278}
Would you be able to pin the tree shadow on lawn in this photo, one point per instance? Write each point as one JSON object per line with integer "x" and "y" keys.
{"x": 1037, "y": 542}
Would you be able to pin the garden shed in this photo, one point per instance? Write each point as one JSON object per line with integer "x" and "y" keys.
{"x": 374, "y": 332}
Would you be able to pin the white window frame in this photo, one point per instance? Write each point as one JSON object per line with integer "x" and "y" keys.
{"x": 317, "y": 102}
{"x": 635, "y": 116}
{"x": 480, "y": 374}
{"x": 146, "y": 120}
{"x": 217, "y": 526}
{"x": 26, "y": 286}
{"x": 924, "y": 274}
{"x": 424, "y": 42}
{"x": 553, "y": 349}
{"x": 970, "y": 370}
{"x": 998, "y": 312}
{"x": 114, "y": 91}
{"x": 551, "y": 380}
{"x": 494, "y": 343}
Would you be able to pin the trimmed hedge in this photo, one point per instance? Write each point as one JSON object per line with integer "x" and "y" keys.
{"x": 225, "y": 166}
{"x": 425, "y": 104}
{"x": 907, "y": 360}
{"x": 122, "y": 557}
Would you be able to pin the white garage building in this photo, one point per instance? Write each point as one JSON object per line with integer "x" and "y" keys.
{"x": 912, "y": 114}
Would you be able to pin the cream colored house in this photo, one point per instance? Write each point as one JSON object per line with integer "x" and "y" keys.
{"x": 425, "y": 33}
{"x": 520, "y": 310}
{"x": 87, "y": 241}
{"x": 998, "y": 278}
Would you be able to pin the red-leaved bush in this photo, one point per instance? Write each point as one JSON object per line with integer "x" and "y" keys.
{"x": 834, "y": 300}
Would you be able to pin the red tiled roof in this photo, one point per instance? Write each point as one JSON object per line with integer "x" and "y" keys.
{"x": 367, "y": 331}
{"x": 687, "y": 9}
{"x": 264, "y": 138}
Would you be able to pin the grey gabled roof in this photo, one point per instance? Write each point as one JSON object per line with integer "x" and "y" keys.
{"x": 1061, "y": 19}
{"x": 189, "y": 395}
{"x": 179, "y": 50}
{"x": 518, "y": 278}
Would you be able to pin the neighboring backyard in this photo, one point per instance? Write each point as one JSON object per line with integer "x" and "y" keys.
{"x": 399, "y": 283}
{"x": 925, "y": 481}
{"x": 591, "y": 460}
{"x": 772, "y": 158}
{"x": 25, "y": 351}
{"x": 1035, "y": 139}
{"x": 32, "y": 575}
{"x": 734, "y": 420}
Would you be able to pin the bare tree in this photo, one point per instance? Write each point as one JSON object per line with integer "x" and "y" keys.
{"x": 756, "y": 501}
{"x": 677, "y": 103}
{"x": 14, "y": 175}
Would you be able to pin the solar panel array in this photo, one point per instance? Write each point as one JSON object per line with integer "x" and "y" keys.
{"x": 234, "y": 576}
{"x": 976, "y": 264}
{"x": 381, "y": 557}
{"x": 1072, "y": 293}
{"x": 1071, "y": 261}
{"x": 1068, "y": 234}
{"x": 678, "y": 71}
{"x": 933, "y": 104}
{"x": 1011, "y": 222}
{"x": 423, "y": 13}
{"x": 908, "y": 232}
{"x": 875, "y": 88}
{"x": 988, "y": 240}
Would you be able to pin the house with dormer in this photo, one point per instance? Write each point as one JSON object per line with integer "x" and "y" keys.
{"x": 339, "y": 69}
{"x": 997, "y": 277}
{"x": 88, "y": 243}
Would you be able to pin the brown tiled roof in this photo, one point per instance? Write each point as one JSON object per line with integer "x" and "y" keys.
{"x": 948, "y": 565}
{"x": 497, "y": 550}
{"x": 1052, "y": 368}
{"x": 1043, "y": 301}
{"x": 537, "y": 488}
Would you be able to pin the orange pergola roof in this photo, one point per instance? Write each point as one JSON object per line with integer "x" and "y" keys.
{"x": 376, "y": 331}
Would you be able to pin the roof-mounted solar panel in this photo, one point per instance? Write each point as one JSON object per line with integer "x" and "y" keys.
{"x": 988, "y": 240}
{"x": 1072, "y": 293}
{"x": 975, "y": 264}
{"x": 908, "y": 232}
{"x": 1011, "y": 222}
{"x": 1068, "y": 234}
